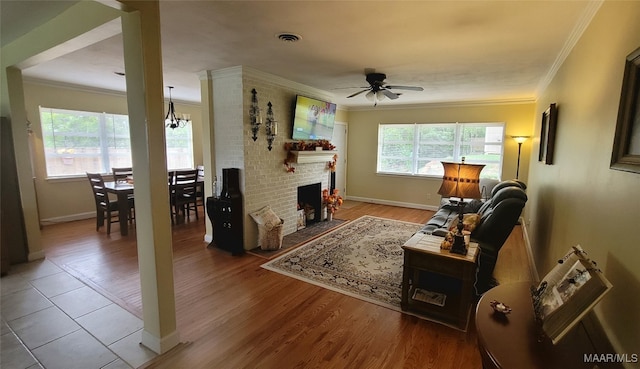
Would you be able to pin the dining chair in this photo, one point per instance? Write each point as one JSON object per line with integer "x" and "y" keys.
{"x": 171, "y": 175}
{"x": 200, "y": 187}
{"x": 121, "y": 174}
{"x": 104, "y": 205}
{"x": 183, "y": 194}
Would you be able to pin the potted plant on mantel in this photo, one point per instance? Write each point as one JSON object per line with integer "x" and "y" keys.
{"x": 331, "y": 202}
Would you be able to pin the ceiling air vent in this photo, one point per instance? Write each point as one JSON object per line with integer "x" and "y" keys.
{"x": 288, "y": 37}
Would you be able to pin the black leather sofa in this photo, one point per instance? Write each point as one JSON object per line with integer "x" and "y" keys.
{"x": 498, "y": 215}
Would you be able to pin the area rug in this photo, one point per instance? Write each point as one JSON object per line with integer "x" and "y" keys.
{"x": 298, "y": 238}
{"x": 362, "y": 259}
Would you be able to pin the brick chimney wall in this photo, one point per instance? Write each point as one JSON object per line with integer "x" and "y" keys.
{"x": 263, "y": 178}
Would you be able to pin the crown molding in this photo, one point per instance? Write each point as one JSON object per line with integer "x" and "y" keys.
{"x": 585, "y": 19}
{"x": 445, "y": 104}
{"x": 249, "y": 72}
{"x": 96, "y": 90}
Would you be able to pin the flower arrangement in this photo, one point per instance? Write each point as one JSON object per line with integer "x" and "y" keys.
{"x": 287, "y": 163}
{"x": 332, "y": 164}
{"x": 308, "y": 145}
{"x": 332, "y": 201}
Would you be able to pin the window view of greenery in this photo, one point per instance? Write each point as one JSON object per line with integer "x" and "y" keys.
{"x": 76, "y": 142}
{"x": 179, "y": 147}
{"x": 418, "y": 149}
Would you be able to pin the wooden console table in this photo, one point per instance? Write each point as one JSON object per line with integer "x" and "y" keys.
{"x": 428, "y": 268}
{"x": 513, "y": 341}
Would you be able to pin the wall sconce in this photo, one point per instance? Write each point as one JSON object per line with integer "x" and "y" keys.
{"x": 254, "y": 114}
{"x": 271, "y": 126}
{"x": 520, "y": 140}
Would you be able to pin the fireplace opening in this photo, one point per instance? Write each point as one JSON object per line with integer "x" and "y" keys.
{"x": 310, "y": 200}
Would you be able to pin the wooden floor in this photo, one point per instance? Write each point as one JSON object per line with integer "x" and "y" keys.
{"x": 233, "y": 314}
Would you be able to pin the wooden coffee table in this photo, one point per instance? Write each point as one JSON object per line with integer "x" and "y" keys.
{"x": 431, "y": 272}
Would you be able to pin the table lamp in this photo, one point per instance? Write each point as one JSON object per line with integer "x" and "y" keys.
{"x": 463, "y": 181}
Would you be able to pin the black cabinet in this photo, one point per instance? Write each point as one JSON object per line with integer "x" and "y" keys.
{"x": 225, "y": 213}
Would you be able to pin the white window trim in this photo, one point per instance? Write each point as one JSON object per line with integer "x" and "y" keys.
{"x": 457, "y": 146}
{"x": 82, "y": 176}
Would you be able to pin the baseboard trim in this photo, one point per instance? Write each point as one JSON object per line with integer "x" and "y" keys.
{"x": 533, "y": 271}
{"x": 37, "y": 255}
{"x": 68, "y": 218}
{"x": 160, "y": 345}
{"x": 393, "y": 203}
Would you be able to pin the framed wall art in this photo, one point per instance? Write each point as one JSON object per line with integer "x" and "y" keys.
{"x": 626, "y": 144}
{"x": 548, "y": 134}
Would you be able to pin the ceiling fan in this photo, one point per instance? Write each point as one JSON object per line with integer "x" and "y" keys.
{"x": 377, "y": 89}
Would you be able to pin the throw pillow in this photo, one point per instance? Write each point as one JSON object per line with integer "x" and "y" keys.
{"x": 469, "y": 222}
{"x": 266, "y": 217}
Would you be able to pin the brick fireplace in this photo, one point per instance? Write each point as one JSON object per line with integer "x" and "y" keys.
{"x": 263, "y": 178}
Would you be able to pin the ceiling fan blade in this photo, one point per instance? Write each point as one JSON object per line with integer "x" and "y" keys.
{"x": 357, "y": 93}
{"x": 412, "y": 88}
{"x": 389, "y": 94}
{"x": 351, "y": 87}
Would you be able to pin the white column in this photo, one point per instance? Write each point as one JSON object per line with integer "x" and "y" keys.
{"x": 208, "y": 143}
{"x": 143, "y": 68}
{"x": 18, "y": 119}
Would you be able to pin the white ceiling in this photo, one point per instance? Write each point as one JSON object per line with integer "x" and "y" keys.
{"x": 457, "y": 50}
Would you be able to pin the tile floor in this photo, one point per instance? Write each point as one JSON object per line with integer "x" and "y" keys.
{"x": 50, "y": 319}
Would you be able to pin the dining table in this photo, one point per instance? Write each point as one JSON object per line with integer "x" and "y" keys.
{"x": 122, "y": 190}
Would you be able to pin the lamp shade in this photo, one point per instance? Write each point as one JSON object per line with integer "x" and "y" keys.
{"x": 520, "y": 139}
{"x": 461, "y": 180}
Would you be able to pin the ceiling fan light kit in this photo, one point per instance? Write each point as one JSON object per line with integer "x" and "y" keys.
{"x": 378, "y": 90}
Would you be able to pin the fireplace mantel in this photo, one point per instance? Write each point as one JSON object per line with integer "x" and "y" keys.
{"x": 301, "y": 157}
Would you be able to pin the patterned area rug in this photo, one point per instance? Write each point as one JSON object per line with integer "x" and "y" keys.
{"x": 362, "y": 259}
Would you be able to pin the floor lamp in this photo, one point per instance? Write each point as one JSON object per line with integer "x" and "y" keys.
{"x": 520, "y": 140}
{"x": 463, "y": 181}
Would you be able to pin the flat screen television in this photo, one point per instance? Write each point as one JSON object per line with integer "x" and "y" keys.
{"x": 313, "y": 119}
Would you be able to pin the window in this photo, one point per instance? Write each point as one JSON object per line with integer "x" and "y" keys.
{"x": 76, "y": 142}
{"x": 417, "y": 149}
{"x": 179, "y": 147}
